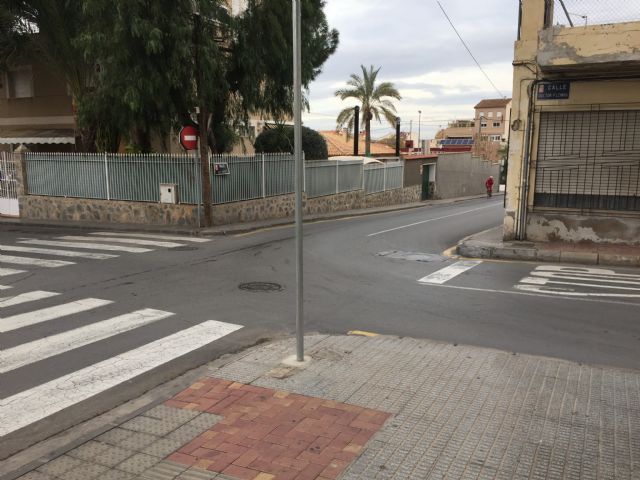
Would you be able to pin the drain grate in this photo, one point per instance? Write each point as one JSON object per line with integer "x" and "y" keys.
{"x": 266, "y": 287}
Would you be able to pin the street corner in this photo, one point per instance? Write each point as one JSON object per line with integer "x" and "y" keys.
{"x": 266, "y": 433}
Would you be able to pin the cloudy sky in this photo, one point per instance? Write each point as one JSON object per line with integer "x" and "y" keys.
{"x": 418, "y": 51}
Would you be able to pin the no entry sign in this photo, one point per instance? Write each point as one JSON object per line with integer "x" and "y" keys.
{"x": 189, "y": 137}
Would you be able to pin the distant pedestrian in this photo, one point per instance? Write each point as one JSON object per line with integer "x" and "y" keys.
{"x": 489, "y": 185}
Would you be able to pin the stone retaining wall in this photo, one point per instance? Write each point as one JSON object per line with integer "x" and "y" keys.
{"x": 34, "y": 207}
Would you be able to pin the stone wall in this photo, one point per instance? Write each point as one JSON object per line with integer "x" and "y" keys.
{"x": 283, "y": 206}
{"x": 34, "y": 207}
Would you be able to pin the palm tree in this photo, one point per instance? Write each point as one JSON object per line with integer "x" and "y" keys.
{"x": 375, "y": 102}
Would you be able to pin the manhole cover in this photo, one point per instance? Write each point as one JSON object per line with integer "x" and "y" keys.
{"x": 260, "y": 287}
{"x": 184, "y": 249}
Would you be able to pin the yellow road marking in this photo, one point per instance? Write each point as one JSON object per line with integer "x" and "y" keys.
{"x": 362, "y": 334}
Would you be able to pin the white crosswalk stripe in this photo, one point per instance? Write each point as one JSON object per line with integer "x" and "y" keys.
{"x": 29, "y": 406}
{"x": 131, "y": 241}
{"x": 580, "y": 282}
{"x": 57, "y": 253}
{"x": 25, "y": 298}
{"x": 448, "y": 273}
{"x": 5, "y": 272}
{"x": 37, "y": 350}
{"x": 152, "y": 236}
{"x": 34, "y": 262}
{"x": 86, "y": 245}
{"x": 22, "y": 320}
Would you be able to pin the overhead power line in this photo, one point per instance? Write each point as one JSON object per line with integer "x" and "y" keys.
{"x": 469, "y": 50}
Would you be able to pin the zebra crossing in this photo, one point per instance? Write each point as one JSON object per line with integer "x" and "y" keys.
{"x": 66, "y": 250}
{"x": 42, "y": 325}
{"x": 93, "y": 377}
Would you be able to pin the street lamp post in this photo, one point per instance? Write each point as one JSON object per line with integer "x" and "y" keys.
{"x": 297, "y": 135}
{"x": 419, "y": 130}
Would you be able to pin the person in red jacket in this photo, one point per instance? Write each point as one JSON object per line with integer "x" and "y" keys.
{"x": 489, "y": 185}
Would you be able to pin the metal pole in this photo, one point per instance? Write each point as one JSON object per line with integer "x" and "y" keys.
{"x": 337, "y": 177}
{"x": 106, "y": 175}
{"x": 419, "y": 129}
{"x": 356, "y": 131}
{"x": 264, "y": 179}
{"x": 199, "y": 189}
{"x": 297, "y": 116}
{"x": 397, "y": 136}
{"x": 384, "y": 178}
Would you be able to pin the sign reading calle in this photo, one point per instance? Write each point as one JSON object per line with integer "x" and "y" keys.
{"x": 554, "y": 90}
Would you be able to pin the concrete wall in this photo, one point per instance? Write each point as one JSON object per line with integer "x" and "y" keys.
{"x": 575, "y": 228}
{"x": 598, "y": 47}
{"x": 53, "y": 209}
{"x": 462, "y": 175}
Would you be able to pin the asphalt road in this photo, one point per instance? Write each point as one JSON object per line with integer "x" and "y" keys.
{"x": 361, "y": 273}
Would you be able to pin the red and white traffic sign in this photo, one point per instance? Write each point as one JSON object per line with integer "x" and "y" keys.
{"x": 189, "y": 137}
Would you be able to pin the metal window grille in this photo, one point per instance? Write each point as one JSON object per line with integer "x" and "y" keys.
{"x": 589, "y": 161}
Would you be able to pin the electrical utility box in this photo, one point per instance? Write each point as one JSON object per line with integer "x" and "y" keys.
{"x": 168, "y": 193}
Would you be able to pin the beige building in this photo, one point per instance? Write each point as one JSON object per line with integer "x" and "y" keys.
{"x": 574, "y": 161}
{"x": 492, "y": 120}
{"x": 35, "y": 110}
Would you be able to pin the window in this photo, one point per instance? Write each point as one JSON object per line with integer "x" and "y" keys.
{"x": 490, "y": 114}
{"x": 483, "y": 125}
{"x": 481, "y": 114}
{"x": 496, "y": 124}
{"x": 20, "y": 83}
{"x": 495, "y": 138}
{"x": 499, "y": 114}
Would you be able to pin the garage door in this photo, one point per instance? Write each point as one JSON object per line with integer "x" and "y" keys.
{"x": 589, "y": 160}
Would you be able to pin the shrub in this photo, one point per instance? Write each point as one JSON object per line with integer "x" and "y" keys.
{"x": 280, "y": 139}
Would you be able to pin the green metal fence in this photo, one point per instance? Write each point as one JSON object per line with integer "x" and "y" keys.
{"x": 252, "y": 176}
{"x": 331, "y": 177}
{"x": 380, "y": 178}
{"x": 134, "y": 177}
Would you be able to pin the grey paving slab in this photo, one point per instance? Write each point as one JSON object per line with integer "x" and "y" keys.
{"x": 138, "y": 463}
{"x": 165, "y": 470}
{"x": 35, "y": 475}
{"x": 60, "y": 465}
{"x": 457, "y": 412}
{"x": 464, "y": 412}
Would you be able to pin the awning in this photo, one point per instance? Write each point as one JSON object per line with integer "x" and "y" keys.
{"x": 17, "y": 136}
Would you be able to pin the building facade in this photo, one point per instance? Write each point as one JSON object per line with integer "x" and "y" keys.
{"x": 35, "y": 110}
{"x": 574, "y": 161}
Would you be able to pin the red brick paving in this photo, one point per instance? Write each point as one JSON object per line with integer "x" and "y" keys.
{"x": 268, "y": 434}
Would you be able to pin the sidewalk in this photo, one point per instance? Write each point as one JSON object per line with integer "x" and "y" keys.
{"x": 489, "y": 244}
{"x": 232, "y": 229}
{"x": 377, "y": 408}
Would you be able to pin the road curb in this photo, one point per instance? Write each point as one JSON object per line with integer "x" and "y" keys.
{"x": 530, "y": 252}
